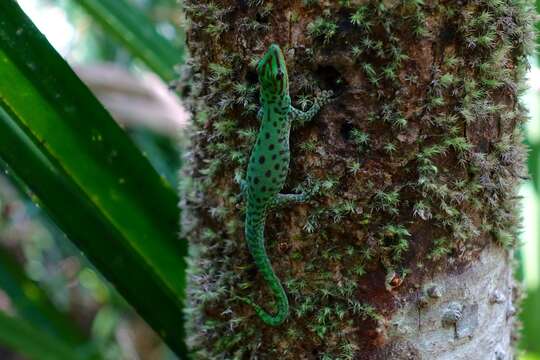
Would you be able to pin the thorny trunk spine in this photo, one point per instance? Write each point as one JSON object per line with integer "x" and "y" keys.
{"x": 404, "y": 250}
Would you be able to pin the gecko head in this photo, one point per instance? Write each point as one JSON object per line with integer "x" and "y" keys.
{"x": 272, "y": 72}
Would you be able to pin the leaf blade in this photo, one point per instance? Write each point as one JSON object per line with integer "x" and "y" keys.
{"x": 20, "y": 336}
{"x": 89, "y": 175}
{"x": 132, "y": 28}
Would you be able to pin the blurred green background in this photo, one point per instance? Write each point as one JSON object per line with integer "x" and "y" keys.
{"x": 37, "y": 262}
{"x": 35, "y": 256}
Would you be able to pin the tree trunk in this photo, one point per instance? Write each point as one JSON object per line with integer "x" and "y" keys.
{"x": 404, "y": 250}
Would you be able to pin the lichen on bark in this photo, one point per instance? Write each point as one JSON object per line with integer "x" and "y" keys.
{"x": 412, "y": 169}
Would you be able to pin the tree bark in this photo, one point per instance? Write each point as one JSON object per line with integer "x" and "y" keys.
{"x": 404, "y": 250}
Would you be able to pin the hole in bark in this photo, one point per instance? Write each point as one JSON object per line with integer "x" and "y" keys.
{"x": 345, "y": 131}
{"x": 252, "y": 273}
{"x": 330, "y": 79}
{"x": 484, "y": 146}
{"x": 262, "y": 19}
{"x": 243, "y": 4}
{"x": 448, "y": 33}
{"x": 251, "y": 77}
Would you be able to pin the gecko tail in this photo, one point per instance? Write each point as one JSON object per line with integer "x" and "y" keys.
{"x": 269, "y": 319}
{"x": 256, "y": 247}
{"x": 282, "y": 302}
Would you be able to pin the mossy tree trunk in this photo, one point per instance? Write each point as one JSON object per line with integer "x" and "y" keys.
{"x": 404, "y": 250}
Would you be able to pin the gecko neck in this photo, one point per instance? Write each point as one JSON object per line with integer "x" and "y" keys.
{"x": 277, "y": 104}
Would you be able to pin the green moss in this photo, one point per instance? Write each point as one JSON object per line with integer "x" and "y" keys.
{"x": 322, "y": 28}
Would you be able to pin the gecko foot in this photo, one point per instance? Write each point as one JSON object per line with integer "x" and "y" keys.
{"x": 284, "y": 199}
{"x": 324, "y": 98}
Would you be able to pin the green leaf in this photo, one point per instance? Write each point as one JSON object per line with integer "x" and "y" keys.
{"x": 33, "y": 305}
{"x": 90, "y": 177}
{"x": 22, "y": 337}
{"x": 129, "y": 25}
{"x": 533, "y": 162}
{"x": 530, "y": 356}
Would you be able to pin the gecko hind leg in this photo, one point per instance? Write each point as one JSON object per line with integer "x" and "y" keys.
{"x": 284, "y": 199}
{"x": 243, "y": 187}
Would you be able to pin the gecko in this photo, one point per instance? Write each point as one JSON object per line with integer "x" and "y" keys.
{"x": 268, "y": 167}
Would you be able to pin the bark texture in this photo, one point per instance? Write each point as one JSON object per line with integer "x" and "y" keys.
{"x": 404, "y": 250}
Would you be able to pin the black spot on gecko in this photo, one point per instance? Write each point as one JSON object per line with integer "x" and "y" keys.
{"x": 256, "y": 180}
{"x": 271, "y": 146}
{"x": 263, "y": 189}
{"x": 274, "y": 157}
{"x": 275, "y": 123}
{"x": 276, "y": 166}
{"x": 262, "y": 159}
{"x": 267, "y": 135}
{"x": 268, "y": 173}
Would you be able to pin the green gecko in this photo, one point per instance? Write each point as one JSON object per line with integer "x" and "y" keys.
{"x": 268, "y": 167}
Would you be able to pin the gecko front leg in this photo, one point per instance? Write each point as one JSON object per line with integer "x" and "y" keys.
{"x": 302, "y": 117}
